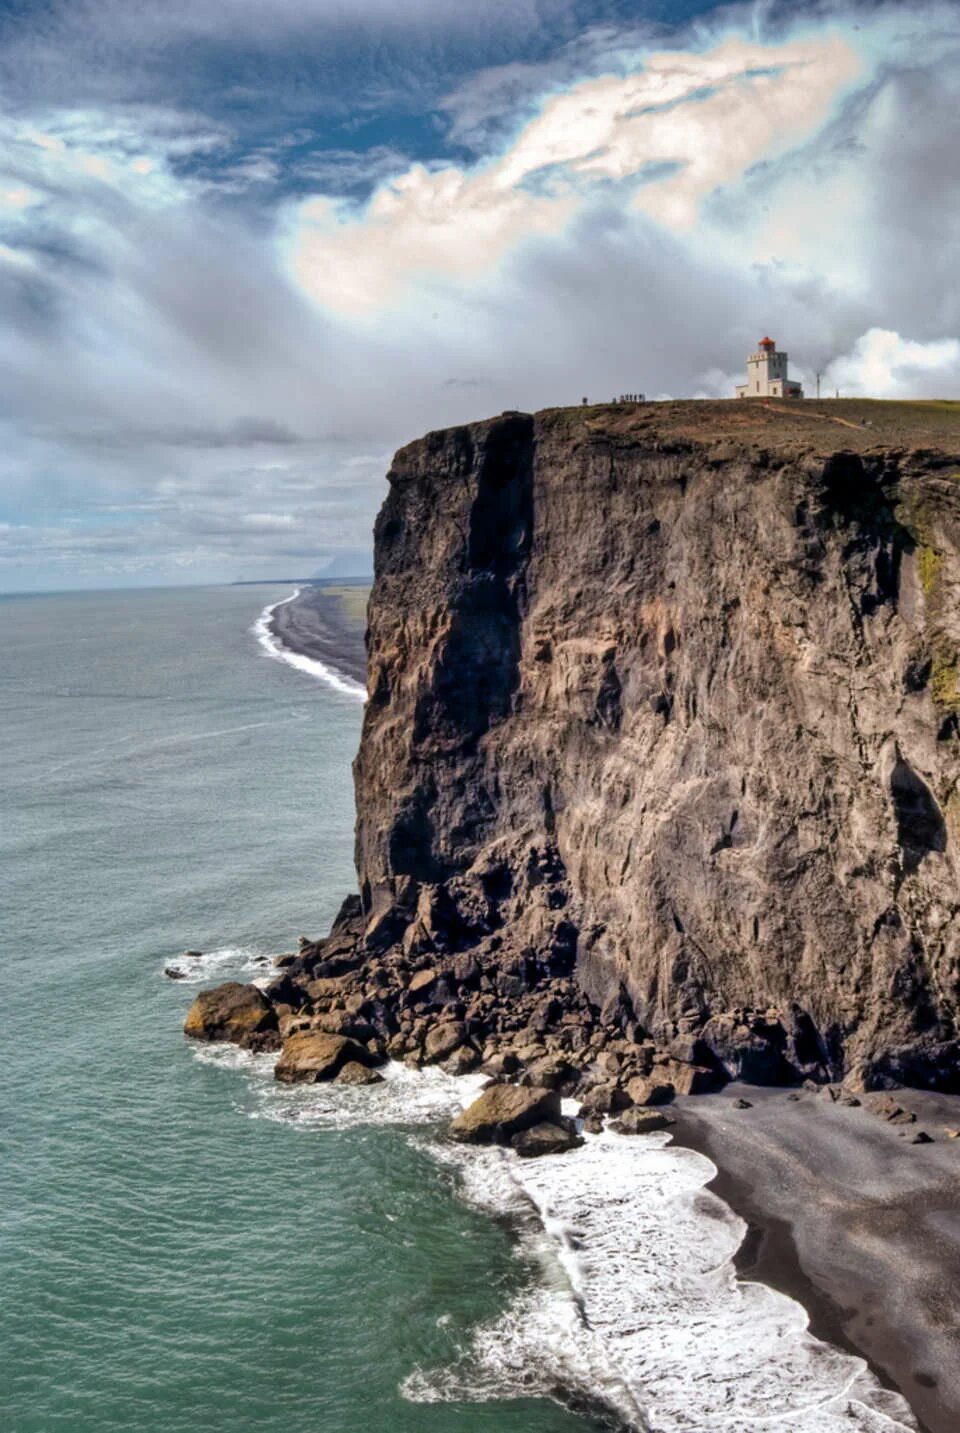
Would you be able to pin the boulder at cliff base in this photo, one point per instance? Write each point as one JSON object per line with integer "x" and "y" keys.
{"x": 311, "y": 1056}
{"x": 233, "y": 1012}
{"x": 503, "y": 1111}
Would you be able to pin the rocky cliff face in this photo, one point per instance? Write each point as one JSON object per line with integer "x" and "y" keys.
{"x": 663, "y": 703}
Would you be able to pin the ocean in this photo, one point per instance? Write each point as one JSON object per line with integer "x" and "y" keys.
{"x": 187, "y": 1247}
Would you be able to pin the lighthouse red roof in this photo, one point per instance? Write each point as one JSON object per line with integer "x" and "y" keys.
{"x": 767, "y": 343}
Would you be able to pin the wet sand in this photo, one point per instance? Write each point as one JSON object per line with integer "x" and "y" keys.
{"x": 854, "y": 1221}
{"x": 326, "y": 624}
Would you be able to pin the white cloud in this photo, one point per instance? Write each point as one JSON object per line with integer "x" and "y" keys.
{"x": 687, "y": 124}
{"x": 881, "y": 364}
{"x": 170, "y": 400}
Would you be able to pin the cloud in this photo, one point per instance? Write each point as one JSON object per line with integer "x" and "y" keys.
{"x": 218, "y": 315}
{"x": 684, "y": 126}
{"x": 881, "y": 364}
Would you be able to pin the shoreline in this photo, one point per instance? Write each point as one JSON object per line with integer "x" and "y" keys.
{"x": 663, "y": 1241}
{"x": 842, "y": 1216}
{"x": 314, "y": 632}
{"x": 818, "y": 1262}
{"x": 316, "y": 625}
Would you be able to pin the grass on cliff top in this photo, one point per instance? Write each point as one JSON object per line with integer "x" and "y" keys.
{"x": 352, "y": 600}
{"x": 819, "y": 425}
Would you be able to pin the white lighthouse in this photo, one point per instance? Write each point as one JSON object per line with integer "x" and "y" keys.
{"x": 767, "y": 374}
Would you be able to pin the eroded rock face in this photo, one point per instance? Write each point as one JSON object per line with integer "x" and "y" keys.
{"x": 233, "y": 1012}
{"x": 663, "y": 710}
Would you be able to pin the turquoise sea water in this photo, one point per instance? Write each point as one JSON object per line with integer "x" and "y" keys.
{"x": 188, "y": 1247}
{"x": 182, "y": 1246}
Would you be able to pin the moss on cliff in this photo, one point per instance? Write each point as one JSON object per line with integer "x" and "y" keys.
{"x": 920, "y": 516}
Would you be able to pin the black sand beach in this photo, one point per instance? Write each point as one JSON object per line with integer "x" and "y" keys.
{"x": 853, "y": 1220}
{"x": 327, "y": 624}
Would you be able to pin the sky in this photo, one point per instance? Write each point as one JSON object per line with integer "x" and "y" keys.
{"x": 249, "y": 249}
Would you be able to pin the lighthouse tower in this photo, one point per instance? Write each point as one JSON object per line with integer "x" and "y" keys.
{"x": 767, "y": 374}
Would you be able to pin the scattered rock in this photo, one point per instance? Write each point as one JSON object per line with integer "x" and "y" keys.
{"x": 233, "y": 1012}
{"x": 504, "y": 1063}
{"x": 546, "y": 1138}
{"x": 549, "y": 1073}
{"x": 421, "y": 982}
{"x": 741, "y": 1104}
{"x": 311, "y": 1056}
{"x": 694, "y": 1079}
{"x": 921, "y": 1137}
{"x": 442, "y": 1040}
{"x": 193, "y": 955}
{"x": 503, "y": 1111}
{"x": 262, "y": 1041}
{"x": 353, "y": 1073}
{"x": 462, "y": 1061}
{"x": 639, "y": 1121}
{"x": 604, "y": 1100}
{"x": 172, "y": 973}
{"x": 887, "y": 1108}
{"x": 652, "y": 1090}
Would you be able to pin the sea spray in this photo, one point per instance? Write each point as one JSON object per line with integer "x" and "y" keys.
{"x": 650, "y": 1315}
{"x": 636, "y": 1313}
{"x": 262, "y": 629}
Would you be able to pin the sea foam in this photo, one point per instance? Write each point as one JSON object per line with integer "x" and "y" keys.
{"x": 644, "y": 1311}
{"x": 636, "y": 1313}
{"x": 226, "y": 963}
{"x": 276, "y": 649}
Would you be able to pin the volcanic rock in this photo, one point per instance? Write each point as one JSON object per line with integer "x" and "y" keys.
{"x": 663, "y": 705}
{"x": 502, "y": 1111}
{"x": 311, "y": 1056}
{"x": 638, "y": 1121}
{"x": 546, "y": 1138}
{"x": 232, "y": 1012}
{"x": 353, "y": 1073}
{"x": 649, "y": 1090}
{"x": 442, "y": 1040}
{"x": 604, "y": 1100}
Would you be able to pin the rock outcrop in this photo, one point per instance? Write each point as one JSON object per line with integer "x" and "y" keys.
{"x": 662, "y": 735}
{"x": 235, "y": 1013}
{"x": 309, "y": 1057}
{"x": 504, "y": 1111}
{"x": 658, "y": 782}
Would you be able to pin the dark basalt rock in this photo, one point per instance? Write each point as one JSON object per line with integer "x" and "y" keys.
{"x": 230, "y": 1012}
{"x": 638, "y": 1121}
{"x": 309, "y": 1057}
{"x": 546, "y": 1138}
{"x": 503, "y": 1111}
{"x": 639, "y": 722}
{"x": 659, "y": 767}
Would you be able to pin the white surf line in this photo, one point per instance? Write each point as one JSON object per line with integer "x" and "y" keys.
{"x": 656, "y": 1321}
{"x": 276, "y": 649}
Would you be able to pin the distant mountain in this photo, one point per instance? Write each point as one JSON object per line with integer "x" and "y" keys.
{"x": 349, "y": 566}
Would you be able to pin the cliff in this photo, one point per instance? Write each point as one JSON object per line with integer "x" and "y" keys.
{"x": 663, "y": 713}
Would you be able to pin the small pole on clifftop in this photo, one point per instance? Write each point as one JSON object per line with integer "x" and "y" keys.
{"x": 818, "y": 383}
